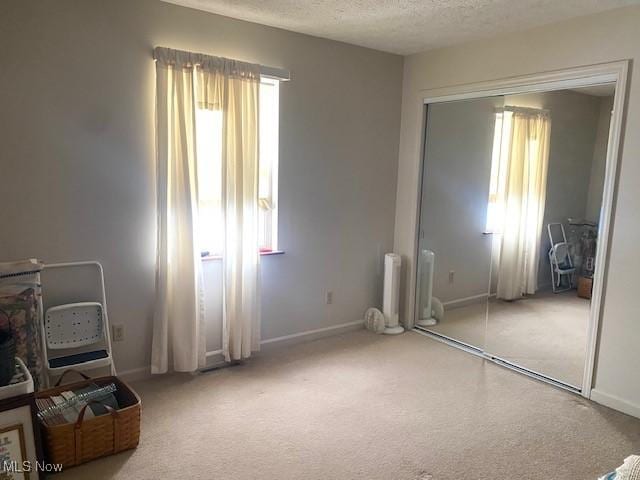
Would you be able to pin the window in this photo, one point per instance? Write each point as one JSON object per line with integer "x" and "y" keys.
{"x": 209, "y": 153}
{"x": 268, "y": 179}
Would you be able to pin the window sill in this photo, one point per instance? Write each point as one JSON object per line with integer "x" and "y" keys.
{"x": 209, "y": 258}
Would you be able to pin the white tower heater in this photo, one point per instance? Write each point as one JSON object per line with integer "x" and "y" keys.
{"x": 425, "y": 286}
{"x": 391, "y": 297}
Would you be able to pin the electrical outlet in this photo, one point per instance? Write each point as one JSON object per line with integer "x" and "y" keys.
{"x": 452, "y": 275}
{"x": 329, "y": 297}
{"x": 117, "y": 333}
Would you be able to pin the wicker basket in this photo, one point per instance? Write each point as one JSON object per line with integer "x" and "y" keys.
{"x": 585, "y": 286}
{"x": 75, "y": 443}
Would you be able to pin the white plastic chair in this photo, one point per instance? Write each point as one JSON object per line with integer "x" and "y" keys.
{"x": 77, "y": 335}
{"x": 560, "y": 260}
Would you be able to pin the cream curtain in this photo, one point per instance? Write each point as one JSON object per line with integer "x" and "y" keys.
{"x": 525, "y": 157}
{"x": 185, "y": 82}
{"x": 233, "y": 87}
{"x": 178, "y": 340}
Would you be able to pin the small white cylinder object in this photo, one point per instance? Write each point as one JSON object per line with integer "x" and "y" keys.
{"x": 391, "y": 297}
{"x": 425, "y": 275}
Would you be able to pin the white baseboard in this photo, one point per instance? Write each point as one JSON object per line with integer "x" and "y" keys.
{"x": 214, "y": 357}
{"x": 309, "y": 335}
{"x": 463, "y": 302}
{"x": 616, "y": 403}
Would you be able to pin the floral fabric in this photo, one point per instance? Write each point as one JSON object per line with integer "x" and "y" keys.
{"x": 19, "y": 312}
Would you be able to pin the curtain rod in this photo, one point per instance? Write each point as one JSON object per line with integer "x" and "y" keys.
{"x": 276, "y": 73}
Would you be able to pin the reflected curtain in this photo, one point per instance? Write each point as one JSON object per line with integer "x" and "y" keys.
{"x": 185, "y": 82}
{"x": 524, "y": 158}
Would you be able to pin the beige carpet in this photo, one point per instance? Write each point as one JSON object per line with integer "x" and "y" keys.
{"x": 546, "y": 332}
{"x": 362, "y": 406}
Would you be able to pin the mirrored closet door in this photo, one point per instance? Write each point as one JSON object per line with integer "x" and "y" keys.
{"x": 454, "y": 258}
{"x": 511, "y": 197}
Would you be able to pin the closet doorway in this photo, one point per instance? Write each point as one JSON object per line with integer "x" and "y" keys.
{"x": 517, "y": 186}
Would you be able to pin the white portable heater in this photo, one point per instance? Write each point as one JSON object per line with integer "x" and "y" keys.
{"x": 425, "y": 287}
{"x": 391, "y": 297}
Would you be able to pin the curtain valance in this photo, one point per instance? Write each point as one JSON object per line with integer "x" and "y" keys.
{"x": 212, "y": 77}
{"x": 168, "y": 57}
{"x": 540, "y": 112}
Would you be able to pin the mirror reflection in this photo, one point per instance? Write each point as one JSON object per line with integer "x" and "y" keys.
{"x": 511, "y": 198}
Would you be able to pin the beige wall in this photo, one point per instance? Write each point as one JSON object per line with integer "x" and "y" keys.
{"x": 456, "y": 175}
{"x": 583, "y": 41}
{"x": 77, "y": 158}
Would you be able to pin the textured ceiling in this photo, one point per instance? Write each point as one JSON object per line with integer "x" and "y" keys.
{"x": 404, "y": 26}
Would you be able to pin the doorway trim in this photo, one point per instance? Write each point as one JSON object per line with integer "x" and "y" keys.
{"x": 612, "y": 72}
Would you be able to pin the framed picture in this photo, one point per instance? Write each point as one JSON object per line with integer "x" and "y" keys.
{"x": 20, "y": 448}
{"x": 13, "y": 452}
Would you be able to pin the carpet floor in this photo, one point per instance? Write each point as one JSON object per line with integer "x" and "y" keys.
{"x": 546, "y": 332}
{"x": 362, "y": 406}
